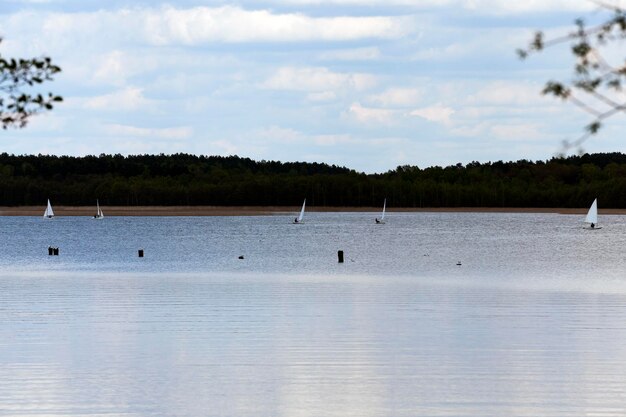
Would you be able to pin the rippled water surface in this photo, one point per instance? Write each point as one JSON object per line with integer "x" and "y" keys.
{"x": 533, "y": 323}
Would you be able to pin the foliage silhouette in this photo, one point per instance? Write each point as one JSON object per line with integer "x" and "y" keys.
{"x": 183, "y": 179}
{"x": 17, "y": 76}
{"x": 598, "y": 82}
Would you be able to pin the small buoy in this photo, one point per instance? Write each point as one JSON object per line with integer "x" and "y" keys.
{"x": 240, "y": 256}
{"x": 458, "y": 263}
{"x": 140, "y": 253}
{"x": 340, "y": 256}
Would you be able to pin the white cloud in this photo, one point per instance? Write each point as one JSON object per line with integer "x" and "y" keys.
{"x": 33, "y": 1}
{"x": 334, "y": 140}
{"x": 355, "y": 54}
{"x": 130, "y": 98}
{"x": 510, "y": 131}
{"x": 195, "y": 26}
{"x": 416, "y": 4}
{"x": 233, "y": 24}
{"x": 291, "y": 136}
{"x": 517, "y": 132}
{"x": 473, "y": 130}
{"x": 225, "y": 147}
{"x": 453, "y": 44}
{"x": 508, "y": 93}
{"x": 370, "y": 115}
{"x": 527, "y": 6}
{"x": 483, "y": 6}
{"x": 160, "y": 133}
{"x": 48, "y": 122}
{"x": 317, "y": 79}
{"x": 115, "y": 67}
{"x": 437, "y": 113}
{"x": 322, "y": 96}
{"x": 397, "y": 97}
{"x": 112, "y": 67}
{"x": 446, "y": 52}
{"x": 280, "y": 134}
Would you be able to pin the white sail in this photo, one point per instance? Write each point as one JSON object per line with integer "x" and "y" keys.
{"x": 592, "y": 214}
{"x": 301, "y": 216}
{"x": 48, "y": 214}
{"x": 99, "y": 213}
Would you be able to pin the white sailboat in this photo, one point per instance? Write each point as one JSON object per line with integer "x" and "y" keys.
{"x": 99, "y": 214}
{"x": 48, "y": 214}
{"x": 382, "y": 216}
{"x": 592, "y": 216}
{"x": 298, "y": 219}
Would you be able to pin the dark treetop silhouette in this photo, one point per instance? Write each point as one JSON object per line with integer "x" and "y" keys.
{"x": 190, "y": 180}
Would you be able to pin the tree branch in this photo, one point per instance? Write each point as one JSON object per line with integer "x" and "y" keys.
{"x": 16, "y": 106}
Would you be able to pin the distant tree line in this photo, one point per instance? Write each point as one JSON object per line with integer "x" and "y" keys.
{"x": 183, "y": 179}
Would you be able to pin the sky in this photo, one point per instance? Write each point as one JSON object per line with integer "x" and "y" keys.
{"x": 367, "y": 84}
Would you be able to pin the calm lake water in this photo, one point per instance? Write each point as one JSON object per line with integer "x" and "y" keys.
{"x": 533, "y": 323}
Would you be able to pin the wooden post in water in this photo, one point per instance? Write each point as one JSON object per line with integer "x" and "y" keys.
{"x": 140, "y": 253}
{"x": 340, "y": 256}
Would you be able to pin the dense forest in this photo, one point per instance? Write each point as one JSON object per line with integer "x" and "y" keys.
{"x": 183, "y": 179}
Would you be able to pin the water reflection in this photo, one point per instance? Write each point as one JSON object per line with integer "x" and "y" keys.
{"x": 288, "y": 345}
{"x": 531, "y": 324}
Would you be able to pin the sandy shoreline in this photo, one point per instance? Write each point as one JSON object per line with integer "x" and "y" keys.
{"x": 267, "y": 210}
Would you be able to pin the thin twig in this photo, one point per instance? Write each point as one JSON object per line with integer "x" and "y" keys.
{"x": 604, "y": 5}
{"x": 584, "y": 106}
